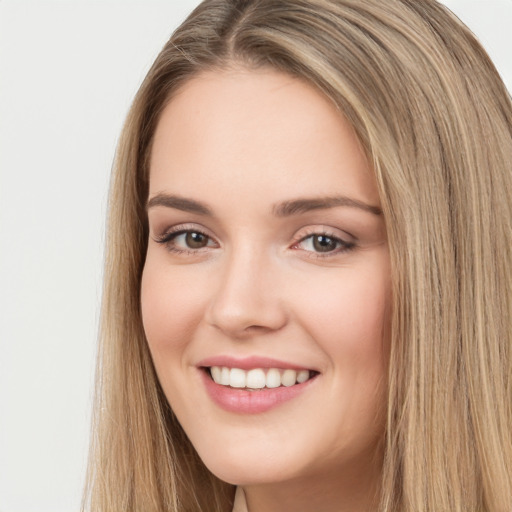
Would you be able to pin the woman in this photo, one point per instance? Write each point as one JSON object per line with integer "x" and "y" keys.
{"x": 308, "y": 291}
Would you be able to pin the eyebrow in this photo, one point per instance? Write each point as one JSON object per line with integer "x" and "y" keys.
{"x": 284, "y": 209}
{"x": 299, "y": 206}
{"x": 178, "y": 203}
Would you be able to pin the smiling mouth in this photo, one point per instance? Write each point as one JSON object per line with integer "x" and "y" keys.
{"x": 258, "y": 379}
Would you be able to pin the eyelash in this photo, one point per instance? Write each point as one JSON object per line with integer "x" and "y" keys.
{"x": 168, "y": 238}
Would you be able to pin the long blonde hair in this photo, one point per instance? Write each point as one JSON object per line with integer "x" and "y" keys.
{"x": 436, "y": 122}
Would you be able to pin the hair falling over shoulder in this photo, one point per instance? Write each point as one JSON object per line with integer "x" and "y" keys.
{"x": 436, "y": 123}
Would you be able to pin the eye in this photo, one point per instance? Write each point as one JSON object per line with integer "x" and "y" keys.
{"x": 323, "y": 243}
{"x": 186, "y": 240}
{"x": 192, "y": 239}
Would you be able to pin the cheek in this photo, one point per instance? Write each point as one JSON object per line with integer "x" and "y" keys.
{"x": 349, "y": 317}
{"x": 172, "y": 305}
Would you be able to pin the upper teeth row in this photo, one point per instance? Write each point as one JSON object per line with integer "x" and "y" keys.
{"x": 257, "y": 378}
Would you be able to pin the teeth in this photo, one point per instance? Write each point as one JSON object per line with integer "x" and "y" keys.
{"x": 257, "y": 378}
{"x": 273, "y": 378}
{"x": 216, "y": 373}
{"x": 237, "y": 378}
{"x": 289, "y": 378}
{"x": 302, "y": 376}
{"x": 224, "y": 377}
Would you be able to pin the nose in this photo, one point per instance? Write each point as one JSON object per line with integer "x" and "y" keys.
{"x": 247, "y": 299}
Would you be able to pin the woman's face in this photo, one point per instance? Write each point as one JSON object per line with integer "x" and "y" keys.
{"x": 267, "y": 265}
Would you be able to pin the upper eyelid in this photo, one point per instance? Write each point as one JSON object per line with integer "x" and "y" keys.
{"x": 184, "y": 228}
{"x": 337, "y": 233}
{"x": 322, "y": 233}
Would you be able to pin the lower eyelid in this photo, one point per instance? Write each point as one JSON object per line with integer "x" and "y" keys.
{"x": 174, "y": 233}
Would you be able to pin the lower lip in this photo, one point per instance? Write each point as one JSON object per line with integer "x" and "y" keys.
{"x": 251, "y": 402}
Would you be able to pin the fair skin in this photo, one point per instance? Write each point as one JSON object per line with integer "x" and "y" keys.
{"x": 240, "y": 274}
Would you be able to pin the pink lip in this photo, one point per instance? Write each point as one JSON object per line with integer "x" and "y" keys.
{"x": 242, "y": 401}
{"x": 248, "y": 363}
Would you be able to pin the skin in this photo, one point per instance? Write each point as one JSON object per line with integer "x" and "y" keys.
{"x": 242, "y": 141}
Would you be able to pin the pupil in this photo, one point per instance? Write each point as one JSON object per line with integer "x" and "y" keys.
{"x": 323, "y": 243}
{"x": 196, "y": 240}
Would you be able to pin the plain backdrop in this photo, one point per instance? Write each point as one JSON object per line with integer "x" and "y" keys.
{"x": 68, "y": 71}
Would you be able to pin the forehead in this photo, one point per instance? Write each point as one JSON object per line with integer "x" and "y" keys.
{"x": 256, "y": 132}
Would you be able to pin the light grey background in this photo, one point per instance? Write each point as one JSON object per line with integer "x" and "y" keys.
{"x": 68, "y": 71}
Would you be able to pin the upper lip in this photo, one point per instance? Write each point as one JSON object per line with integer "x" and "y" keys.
{"x": 248, "y": 363}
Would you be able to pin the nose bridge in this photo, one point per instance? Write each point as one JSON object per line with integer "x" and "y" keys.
{"x": 245, "y": 299}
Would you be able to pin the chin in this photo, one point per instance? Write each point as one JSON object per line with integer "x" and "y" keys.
{"x": 239, "y": 470}
{"x": 251, "y": 459}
